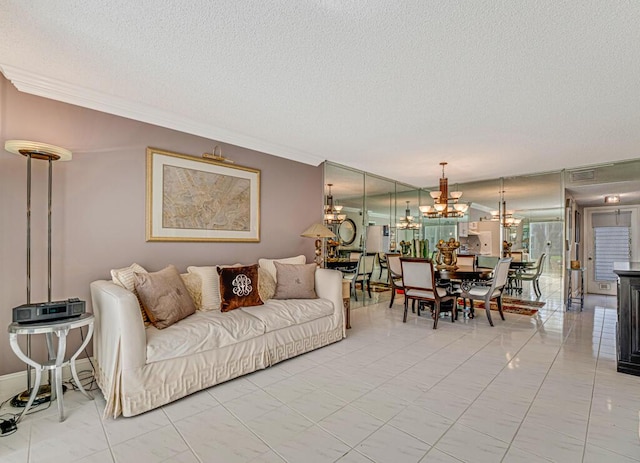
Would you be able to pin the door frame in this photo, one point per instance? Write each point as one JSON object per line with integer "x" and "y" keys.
{"x": 592, "y": 286}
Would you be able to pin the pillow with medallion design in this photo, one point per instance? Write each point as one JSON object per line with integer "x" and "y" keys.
{"x": 239, "y": 287}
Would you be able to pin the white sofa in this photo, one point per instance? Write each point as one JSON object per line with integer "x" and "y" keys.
{"x": 140, "y": 368}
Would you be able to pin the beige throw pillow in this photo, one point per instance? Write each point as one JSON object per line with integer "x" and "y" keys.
{"x": 124, "y": 277}
{"x": 266, "y": 285}
{"x": 194, "y": 285}
{"x": 296, "y": 281}
{"x": 164, "y": 296}
{"x": 268, "y": 264}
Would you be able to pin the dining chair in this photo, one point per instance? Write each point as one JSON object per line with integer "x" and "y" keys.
{"x": 381, "y": 259}
{"x": 489, "y": 290}
{"x": 419, "y": 284}
{"x": 395, "y": 275}
{"x": 466, "y": 261}
{"x": 361, "y": 274}
{"x": 533, "y": 277}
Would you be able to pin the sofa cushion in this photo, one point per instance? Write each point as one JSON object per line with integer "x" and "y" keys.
{"x": 268, "y": 264}
{"x": 164, "y": 296}
{"x": 239, "y": 287}
{"x": 295, "y": 281}
{"x": 202, "y": 331}
{"x": 124, "y": 277}
{"x": 277, "y": 314}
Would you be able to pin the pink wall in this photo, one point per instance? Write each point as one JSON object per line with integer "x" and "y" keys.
{"x": 99, "y": 204}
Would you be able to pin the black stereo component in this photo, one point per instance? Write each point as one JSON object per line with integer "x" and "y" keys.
{"x": 48, "y": 311}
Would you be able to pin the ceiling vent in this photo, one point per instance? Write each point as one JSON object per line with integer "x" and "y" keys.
{"x": 583, "y": 175}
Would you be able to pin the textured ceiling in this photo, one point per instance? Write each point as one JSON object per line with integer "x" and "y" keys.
{"x": 497, "y": 88}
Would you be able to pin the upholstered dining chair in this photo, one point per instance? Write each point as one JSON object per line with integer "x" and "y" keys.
{"x": 466, "y": 261}
{"x": 395, "y": 275}
{"x": 533, "y": 276}
{"x": 489, "y": 290}
{"x": 419, "y": 282}
{"x": 361, "y": 274}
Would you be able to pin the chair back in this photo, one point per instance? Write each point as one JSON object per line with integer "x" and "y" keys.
{"x": 366, "y": 264}
{"x": 487, "y": 261}
{"x": 395, "y": 268}
{"x": 517, "y": 256}
{"x": 501, "y": 273}
{"x": 418, "y": 274}
{"x": 466, "y": 261}
{"x": 540, "y": 264}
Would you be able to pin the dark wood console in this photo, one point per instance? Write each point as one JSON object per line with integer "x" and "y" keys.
{"x": 628, "y": 329}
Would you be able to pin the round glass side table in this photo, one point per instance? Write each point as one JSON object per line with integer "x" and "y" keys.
{"x": 56, "y": 361}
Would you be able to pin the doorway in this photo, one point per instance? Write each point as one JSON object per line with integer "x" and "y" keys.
{"x": 611, "y": 235}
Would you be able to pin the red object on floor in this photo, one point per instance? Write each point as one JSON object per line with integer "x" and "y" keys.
{"x": 399, "y": 291}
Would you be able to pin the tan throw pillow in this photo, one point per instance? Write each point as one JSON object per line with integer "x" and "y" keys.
{"x": 296, "y": 281}
{"x": 194, "y": 285}
{"x": 266, "y": 285}
{"x": 164, "y": 296}
{"x": 239, "y": 287}
{"x": 124, "y": 277}
{"x": 268, "y": 264}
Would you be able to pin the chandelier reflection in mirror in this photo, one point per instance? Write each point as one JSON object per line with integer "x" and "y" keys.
{"x": 505, "y": 216}
{"x": 445, "y": 204}
{"x": 408, "y": 221}
{"x": 332, "y": 212}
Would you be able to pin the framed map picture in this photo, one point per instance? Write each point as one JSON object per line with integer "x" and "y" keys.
{"x": 192, "y": 199}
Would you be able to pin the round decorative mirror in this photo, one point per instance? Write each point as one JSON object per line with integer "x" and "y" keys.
{"x": 347, "y": 232}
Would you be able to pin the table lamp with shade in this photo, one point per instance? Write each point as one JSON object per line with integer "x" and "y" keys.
{"x": 319, "y": 232}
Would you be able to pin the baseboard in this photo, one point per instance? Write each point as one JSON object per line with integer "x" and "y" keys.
{"x": 14, "y": 383}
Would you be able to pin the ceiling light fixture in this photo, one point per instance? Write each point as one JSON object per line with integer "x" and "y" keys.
{"x": 408, "y": 221}
{"x": 332, "y": 212}
{"x": 505, "y": 216}
{"x": 445, "y": 204}
{"x": 611, "y": 199}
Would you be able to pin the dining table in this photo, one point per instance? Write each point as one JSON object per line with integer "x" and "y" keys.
{"x": 344, "y": 265}
{"x": 466, "y": 275}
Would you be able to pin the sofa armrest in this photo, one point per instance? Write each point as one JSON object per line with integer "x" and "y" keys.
{"x": 329, "y": 286}
{"x": 119, "y": 335}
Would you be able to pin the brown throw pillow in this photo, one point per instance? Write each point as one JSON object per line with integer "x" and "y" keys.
{"x": 164, "y": 296}
{"x": 239, "y": 287}
{"x": 295, "y": 281}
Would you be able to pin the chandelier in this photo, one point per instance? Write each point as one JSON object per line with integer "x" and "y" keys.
{"x": 505, "y": 217}
{"x": 332, "y": 211}
{"x": 408, "y": 221}
{"x": 445, "y": 204}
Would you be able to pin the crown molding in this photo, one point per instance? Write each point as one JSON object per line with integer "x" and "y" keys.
{"x": 47, "y": 87}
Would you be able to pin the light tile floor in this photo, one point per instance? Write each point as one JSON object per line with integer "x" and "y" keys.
{"x": 530, "y": 389}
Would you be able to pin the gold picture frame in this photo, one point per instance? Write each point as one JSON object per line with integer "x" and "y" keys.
{"x": 193, "y": 199}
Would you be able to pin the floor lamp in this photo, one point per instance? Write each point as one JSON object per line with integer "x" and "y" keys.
{"x": 40, "y": 151}
{"x": 318, "y": 231}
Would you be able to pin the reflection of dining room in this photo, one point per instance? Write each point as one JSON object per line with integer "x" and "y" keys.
{"x": 489, "y": 219}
